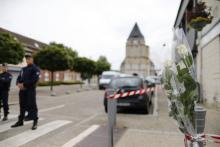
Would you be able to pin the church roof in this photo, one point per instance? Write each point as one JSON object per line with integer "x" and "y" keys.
{"x": 135, "y": 33}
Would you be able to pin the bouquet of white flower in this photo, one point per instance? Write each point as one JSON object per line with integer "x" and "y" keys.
{"x": 180, "y": 84}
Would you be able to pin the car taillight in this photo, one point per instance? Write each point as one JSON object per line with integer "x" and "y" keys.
{"x": 142, "y": 86}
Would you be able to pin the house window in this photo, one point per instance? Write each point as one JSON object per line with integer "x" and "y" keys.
{"x": 36, "y": 45}
{"x": 46, "y": 76}
{"x": 57, "y": 77}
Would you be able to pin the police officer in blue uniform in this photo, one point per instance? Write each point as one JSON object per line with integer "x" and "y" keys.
{"x": 26, "y": 82}
{"x": 5, "y": 82}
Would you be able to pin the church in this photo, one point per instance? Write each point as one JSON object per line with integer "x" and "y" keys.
{"x": 137, "y": 59}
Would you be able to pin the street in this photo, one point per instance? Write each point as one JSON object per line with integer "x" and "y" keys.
{"x": 78, "y": 119}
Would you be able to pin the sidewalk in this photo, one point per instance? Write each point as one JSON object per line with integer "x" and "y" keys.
{"x": 158, "y": 131}
{"x": 45, "y": 91}
{"x": 162, "y": 131}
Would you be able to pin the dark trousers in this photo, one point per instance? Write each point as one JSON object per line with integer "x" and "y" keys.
{"x": 4, "y": 101}
{"x": 27, "y": 101}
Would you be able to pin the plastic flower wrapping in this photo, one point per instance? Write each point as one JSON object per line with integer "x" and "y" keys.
{"x": 180, "y": 84}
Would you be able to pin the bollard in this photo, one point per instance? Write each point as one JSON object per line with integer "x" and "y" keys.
{"x": 200, "y": 114}
{"x": 112, "y": 110}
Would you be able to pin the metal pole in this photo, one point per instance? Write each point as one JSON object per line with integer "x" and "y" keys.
{"x": 200, "y": 114}
{"x": 111, "y": 121}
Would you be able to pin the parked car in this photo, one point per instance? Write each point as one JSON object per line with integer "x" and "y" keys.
{"x": 128, "y": 84}
{"x": 106, "y": 77}
{"x": 150, "y": 83}
{"x": 157, "y": 79}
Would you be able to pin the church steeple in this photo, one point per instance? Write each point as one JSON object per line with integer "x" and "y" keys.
{"x": 135, "y": 33}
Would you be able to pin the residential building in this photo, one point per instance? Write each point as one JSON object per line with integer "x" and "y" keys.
{"x": 205, "y": 47}
{"x": 32, "y": 46}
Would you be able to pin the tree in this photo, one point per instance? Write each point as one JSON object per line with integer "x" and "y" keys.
{"x": 54, "y": 57}
{"x": 102, "y": 64}
{"x": 12, "y": 51}
{"x": 71, "y": 53}
{"x": 85, "y": 66}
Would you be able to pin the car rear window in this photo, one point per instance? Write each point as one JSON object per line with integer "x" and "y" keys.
{"x": 107, "y": 76}
{"x": 125, "y": 83}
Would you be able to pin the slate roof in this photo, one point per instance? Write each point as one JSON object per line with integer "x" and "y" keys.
{"x": 28, "y": 42}
{"x": 135, "y": 33}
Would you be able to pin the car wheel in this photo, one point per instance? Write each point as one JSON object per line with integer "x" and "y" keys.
{"x": 147, "y": 108}
{"x": 106, "y": 109}
{"x": 150, "y": 103}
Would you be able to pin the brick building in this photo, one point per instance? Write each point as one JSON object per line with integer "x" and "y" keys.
{"x": 32, "y": 46}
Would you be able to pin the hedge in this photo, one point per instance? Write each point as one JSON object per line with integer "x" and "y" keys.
{"x": 57, "y": 83}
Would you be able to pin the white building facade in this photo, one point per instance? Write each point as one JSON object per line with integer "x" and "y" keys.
{"x": 208, "y": 58}
{"x": 205, "y": 47}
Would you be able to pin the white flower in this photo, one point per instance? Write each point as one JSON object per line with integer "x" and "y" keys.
{"x": 182, "y": 50}
{"x": 168, "y": 63}
{"x": 182, "y": 65}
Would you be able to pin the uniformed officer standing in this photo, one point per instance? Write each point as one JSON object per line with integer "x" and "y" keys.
{"x": 5, "y": 82}
{"x": 26, "y": 82}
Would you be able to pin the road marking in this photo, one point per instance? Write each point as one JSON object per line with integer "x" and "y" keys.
{"x": 51, "y": 108}
{"x": 5, "y": 127}
{"x": 81, "y": 136}
{"x": 86, "y": 120}
{"x": 30, "y": 135}
{"x": 155, "y": 111}
{"x": 154, "y": 132}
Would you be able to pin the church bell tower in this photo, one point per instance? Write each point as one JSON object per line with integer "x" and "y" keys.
{"x": 137, "y": 54}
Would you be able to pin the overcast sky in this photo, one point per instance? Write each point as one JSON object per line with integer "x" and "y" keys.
{"x": 94, "y": 27}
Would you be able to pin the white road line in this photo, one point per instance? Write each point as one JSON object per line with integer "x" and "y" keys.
{"x": 86, "y": 120}
{"x": 30, "y": 135}
{"x": 81, "y": 136}
{"x": 5, "y": 127}
{"x": 154, "y": 132}
{"x": 155, "y": 111}
{"x": 51, "y": 108}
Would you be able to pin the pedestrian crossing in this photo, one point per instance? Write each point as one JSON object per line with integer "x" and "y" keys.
{"x": 30, "y": 135}
{"x": 12, "y": 137}
{"x": 7, "y": 126}
{"x": 24, "y": 135}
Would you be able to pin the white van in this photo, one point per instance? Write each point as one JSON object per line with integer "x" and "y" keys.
{"x": 106, "y": 78}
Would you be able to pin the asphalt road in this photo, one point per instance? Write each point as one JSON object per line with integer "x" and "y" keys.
{"x": 79, "y": 120}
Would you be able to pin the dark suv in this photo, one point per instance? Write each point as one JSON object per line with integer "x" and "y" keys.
{"x": 128, "y": 84}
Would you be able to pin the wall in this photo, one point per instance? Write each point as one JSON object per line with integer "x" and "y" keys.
{"x": 208, "y": 58}
{"x": 211, "y": 70}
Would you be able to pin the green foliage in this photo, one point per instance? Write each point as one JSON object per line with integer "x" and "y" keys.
{"x": 12, "y": 51}
{"x": 59, "y": 83}
{"x": 52, "y": 58}
{"x": 183, "y": 102}
{"x": 70, "y": 52}
{"x": 199, "y": 16}
{"x": 55, "y": 57}
{"x": 102, "y": 64}
{"x": 86, "y": 67}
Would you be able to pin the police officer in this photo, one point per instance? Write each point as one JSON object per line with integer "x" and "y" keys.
{"x": 5, "y": 82}
{"x": 26, "y": 82}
